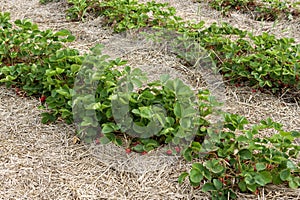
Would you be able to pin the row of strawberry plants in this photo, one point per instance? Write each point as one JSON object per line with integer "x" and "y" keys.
{"x": 52, "y": 72}
{"x": 265, "y": 10}
{"x": 262, "y": 61}
{"x": 166, "y": 114}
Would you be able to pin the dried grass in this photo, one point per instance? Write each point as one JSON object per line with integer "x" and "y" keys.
{"x": 41, "y": 161}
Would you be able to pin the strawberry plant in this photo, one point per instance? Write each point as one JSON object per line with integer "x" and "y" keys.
{"x": 129, "y": 14}
{"x": 37, "y": 62}
{"x": 160, "y": 112}
{"x": 244, "y": 162}
{"x": 79, "y": 8}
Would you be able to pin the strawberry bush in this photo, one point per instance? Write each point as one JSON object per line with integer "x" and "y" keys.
{"x": 245, "y": 162}
{"x": 158, "y": 113}
{"x": 38, "y": 63}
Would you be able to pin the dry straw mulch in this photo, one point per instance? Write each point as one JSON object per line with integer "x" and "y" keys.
{"x": 41, "y": 161}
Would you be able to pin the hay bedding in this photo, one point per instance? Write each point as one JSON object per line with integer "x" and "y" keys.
{"x": 41, "y": 161}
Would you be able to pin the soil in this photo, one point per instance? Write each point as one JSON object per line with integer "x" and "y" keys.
{"x": 40, "y": 161}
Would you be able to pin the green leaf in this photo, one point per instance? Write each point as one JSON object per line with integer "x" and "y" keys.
{"x": 263, "y": 178}
{"x": 138, "y": 148}
{"x": 136, "y": 111}
{"x": 137, "y": 82}
{"x": 245, "y": 154}
{"x": 47, "y": 117}
{"x": 214, "y": 166}
{"x": 243, "y": 186}
{"x": 293, "y": 184}
{"x": 291, "y": 165}
{"x": 147, "y": 95}
{"x": 170, "y": 121}
{"x": 218, "y": 184}
{"x": 71, "y": 38}
{"x": 207, "y": 174}
{"x": 208, "y": 187}
{"x": 89, "y": 121}
{"x": 242, "y": 138}
{"x": 185, "y": 123}
{"x": 276, "y": 178}
{"x": 196, "y": 146}
{"x": 198, "y": 166}
{"x": 104, "y": 140}
{"x": 59, "y": 70}
{"x": 252, "y": 188}
{"x": 164, "y": 78}
{"x": 285, "y": 174}
{"x": 188, "y": 154}
{"x": 177, "y": 110}
{"x": 182, "y": 177}
{"x": 107, "y": 129}
{"x": 196, "y": 176}
{"x": 145, "y": 112}
{"x": 260, "y": 166}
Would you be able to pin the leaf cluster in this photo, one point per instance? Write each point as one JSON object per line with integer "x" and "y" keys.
{"x": 37, "y": 62}
{"x": 243, "y": 161}
{"x": 266, "y": 10}
{"x": 260, "y": 61}
{"x": 153, "y": 114}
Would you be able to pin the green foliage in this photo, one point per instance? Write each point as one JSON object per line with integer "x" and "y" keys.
{"x": 37, "y": 62}
{"x": 129, "y": 14}
{"x": 119, "y": 102}
{"x": 48, "y": 1}
{"x": 125, "y": 14}
{"x": 266, "y": 10}
{"x": 79, "y": 8}
{"x": 161, "y": 112}
{"x": 245, "y": 162}
{"x": 263, "y": 62}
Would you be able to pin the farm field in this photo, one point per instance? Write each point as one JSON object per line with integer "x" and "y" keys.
{"x": 46, "y": 161}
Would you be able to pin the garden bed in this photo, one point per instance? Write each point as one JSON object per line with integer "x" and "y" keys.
{"x": 44, "y": 162}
